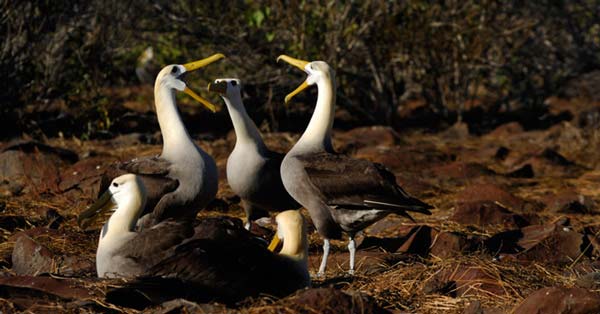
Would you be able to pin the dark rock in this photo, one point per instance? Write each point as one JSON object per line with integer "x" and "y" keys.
{"x": 31, "y": 165}
{"x": 11, "y": 187}
{"x": 551, "y": 163}
{"x": 31, "y": 258}
{"x": 550, "y": 243}
{"x": 12, "y": 222}
{"x": 583, "y": 86}
{"x": 422, "y": 241}
{"x": 185, "y": 306}
{"x": 458, "y": 131}
{"x": 501, "y": 153}
{"x": 461, "y": 280}
{"x": 448, "y": 244}
{"x": 68, "y": 289}
{"x": 556, "y": 158}
{"x": 589, "y": 281}
{"x": 131, "y": 139}
{"x": 53, "y": 218}
{"x": 491, "y": 193}
{"x": 36, "y": 171}
{"x": 333, "y": 301}
{"x": 35, "y": 147}
{"x": 525, "y": 171}
{"x": 87, "y": 178}
{"x": 560, "y": 300}
{"x": 569, "y": 201}
{"x": 388, "y": 244}
{"x": 461, "y": 170}
{"x": 403, "y": 158}
{"x": 473, "y": 308}
{"x": 505, "y": 130}
{"x": 589, "y": 118}
{"x": 418, "y": 241}
{"x": 364, "y": 137}
{"x": 486, "y": 213}
{"x": 134, "y": 122}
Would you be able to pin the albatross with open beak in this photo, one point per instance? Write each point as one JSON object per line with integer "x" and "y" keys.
{"x": 183, "y": 178}
{"x": 227, "y": 267}
{"x": 252, "y": 169}
{"x": 339, "y": 192}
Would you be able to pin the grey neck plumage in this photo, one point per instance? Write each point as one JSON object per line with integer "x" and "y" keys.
{"x": 246, "y": 131}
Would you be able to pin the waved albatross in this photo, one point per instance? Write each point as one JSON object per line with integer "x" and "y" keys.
{"x": 252, "y": 169}
{"x": 339, "y": 192}
{"x": 169, "y": 256}
{"x": 183, "y": 178}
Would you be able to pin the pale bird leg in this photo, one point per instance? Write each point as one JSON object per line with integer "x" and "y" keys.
{"x": 324, "y": 259}
{"x": 352, "y": 249}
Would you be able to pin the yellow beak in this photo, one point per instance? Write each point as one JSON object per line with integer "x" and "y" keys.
{"x": 210, "y": 106}
{"x": 192, "y": 66}
{"x": 300, "y": 64}
{"x": 91, "y": 214}
{"x": 274, "y": 243}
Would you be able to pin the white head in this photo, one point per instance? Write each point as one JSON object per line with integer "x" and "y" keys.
{"x": 125, "y": 199}
{"x": 226, "y": 87}
{"x": 317, "y": 71}
{"x": 170, "y": 77}
{"x": 291, "y": 230}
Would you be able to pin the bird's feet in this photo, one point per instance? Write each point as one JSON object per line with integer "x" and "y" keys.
{"x": 351, "y": 272}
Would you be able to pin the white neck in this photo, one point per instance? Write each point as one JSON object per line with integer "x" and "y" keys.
{"x": 123, "y": 220}
{"x": 246, "y": 131}
{"x": 175, "y": 136}
{"x": 295, "y": 245}
{"x": 317, "y": 136}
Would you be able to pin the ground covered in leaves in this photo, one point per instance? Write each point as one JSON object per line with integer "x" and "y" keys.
{"x": 515, "y": 228}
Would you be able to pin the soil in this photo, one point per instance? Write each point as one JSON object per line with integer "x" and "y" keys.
{"x": 516, "y": 217}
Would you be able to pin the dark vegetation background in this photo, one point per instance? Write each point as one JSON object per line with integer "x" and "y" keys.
{"x": 408, "y": 64}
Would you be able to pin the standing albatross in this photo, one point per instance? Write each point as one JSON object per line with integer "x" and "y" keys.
{"x": 339, "y": 192}
{"x": 252, "y": 169}
{"x": 183, "y": 178}
{"x": 225, "y": 266}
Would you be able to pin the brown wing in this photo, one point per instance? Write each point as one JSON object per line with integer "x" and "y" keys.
{"x": 154, "y": 173}
{"x": 149, "y": 166}
{"x": 154, "y": 244}
{"x": 221, "y": 262}
{"x": 229, "y": 269}
{"x": 358, "y": 184}
{"x": 272, "y": 195}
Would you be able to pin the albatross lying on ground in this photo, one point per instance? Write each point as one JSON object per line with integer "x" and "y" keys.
{"x": 339, "y": 192}
{"x": 252, "y": 169}
{"x": 183, "y": 178}
{"x": 225, "y": 267}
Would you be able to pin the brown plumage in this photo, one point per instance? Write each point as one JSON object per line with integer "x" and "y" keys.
{"x": 216, "y": 260}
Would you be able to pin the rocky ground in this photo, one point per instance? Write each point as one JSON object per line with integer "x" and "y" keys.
{"x": 515, "y": 229}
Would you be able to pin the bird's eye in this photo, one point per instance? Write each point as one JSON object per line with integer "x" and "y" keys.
{"x": 233, "y": 83}
{"x": 175, "y": 70}
{"x": 115, "y": 184}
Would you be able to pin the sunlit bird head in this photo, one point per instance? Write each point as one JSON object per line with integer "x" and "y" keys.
{"x": 316, "y": 71}
{"x": 226, "y": 86}
{"x": 171, "y": 77}
{"x": 126, "y": 193}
